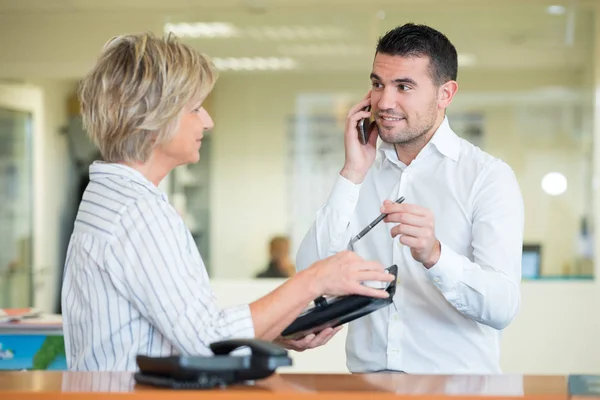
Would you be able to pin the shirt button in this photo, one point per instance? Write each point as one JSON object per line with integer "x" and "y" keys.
{"x": 396, "y": 317}
{"x": 437, "y": 280}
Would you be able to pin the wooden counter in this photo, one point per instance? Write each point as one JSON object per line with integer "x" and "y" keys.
{"x": 117, "y": 385}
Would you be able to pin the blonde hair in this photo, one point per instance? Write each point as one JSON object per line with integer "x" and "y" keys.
{"x": 134, "y": 97}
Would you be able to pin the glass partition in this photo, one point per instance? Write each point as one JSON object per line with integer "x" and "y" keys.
{"x": 15, "y": 208}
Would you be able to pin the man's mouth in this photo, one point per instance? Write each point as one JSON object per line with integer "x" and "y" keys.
{"x": 390, "y": 118}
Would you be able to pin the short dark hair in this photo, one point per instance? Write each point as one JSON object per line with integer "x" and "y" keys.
{"x": 413, "y": 40}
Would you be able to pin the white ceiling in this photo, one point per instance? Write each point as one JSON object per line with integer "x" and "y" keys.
{"x": 61, "y": 38}
{"x": 260, "y": 6}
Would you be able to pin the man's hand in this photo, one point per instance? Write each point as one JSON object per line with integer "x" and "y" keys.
{"x": 416, "y": 229}
{"x": 359, "y": 157}
{"x": 310, "y": 341}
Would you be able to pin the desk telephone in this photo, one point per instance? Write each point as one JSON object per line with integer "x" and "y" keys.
{"x": 222, "y": 369}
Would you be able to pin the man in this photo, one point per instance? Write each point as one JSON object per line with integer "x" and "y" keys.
{"x": 457, "y": 237}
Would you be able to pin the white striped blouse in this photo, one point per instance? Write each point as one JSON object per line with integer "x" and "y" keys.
{"x": 134, "y": 281}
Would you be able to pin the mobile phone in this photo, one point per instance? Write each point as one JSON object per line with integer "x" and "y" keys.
{"x": 364, "y": 128}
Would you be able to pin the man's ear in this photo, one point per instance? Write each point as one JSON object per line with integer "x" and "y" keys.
{"x": 446, "y": 93}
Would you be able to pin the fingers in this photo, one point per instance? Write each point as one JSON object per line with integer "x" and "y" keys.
{"x": 328, "y": 334}
{"x": 345, "y": 256}
{"x": 350, "y": 259}
{"x": 363, "y": 265}
{"x": 389, "y": 207}
{"x": 300, "y": 344}
{"x": 322, "y": 338}
{"x": 406, "y": 218}
{"x": 363, "y": 103}
{"x": 412, "y": 242}
{"x": 311, "y": 341}
{"x": 305, "y": 342}
{"x": 380, "y": 276}
{"x": 354, "y": 118}
{"x": 409, "y": 230}
{"x": 370, "y": 292}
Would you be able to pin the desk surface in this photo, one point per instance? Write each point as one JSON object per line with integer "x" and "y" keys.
{"x": 89, "y": 385}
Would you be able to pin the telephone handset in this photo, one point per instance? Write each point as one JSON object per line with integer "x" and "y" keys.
{"x": 222, "y": 369}
{"x": 364, "y": 127}
{"x": 258, "y": 347}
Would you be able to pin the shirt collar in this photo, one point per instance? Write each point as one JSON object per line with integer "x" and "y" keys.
{"x": 444, "y": 140}
{"x": 100, "y": 169}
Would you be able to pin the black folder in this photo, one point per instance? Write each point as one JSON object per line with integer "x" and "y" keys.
{"x": 337, "y": 311}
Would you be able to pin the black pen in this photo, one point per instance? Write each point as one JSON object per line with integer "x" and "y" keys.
{"x": 372, "y": 225}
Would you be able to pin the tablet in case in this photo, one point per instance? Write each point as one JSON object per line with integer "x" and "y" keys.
{"x": 337, "y": 311}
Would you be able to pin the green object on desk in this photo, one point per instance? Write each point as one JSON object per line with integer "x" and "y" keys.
{"x": 32, "y": 352}
{"x": 52, "y": 347}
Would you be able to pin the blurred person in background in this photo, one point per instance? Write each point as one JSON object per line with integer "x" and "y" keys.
{"x": 280, "y": 263}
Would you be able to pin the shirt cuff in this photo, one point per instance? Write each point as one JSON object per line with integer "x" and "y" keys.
{"x": 239, "y": 320}
{"x": 448, "y": 272}
{"x": 344, "y": 196}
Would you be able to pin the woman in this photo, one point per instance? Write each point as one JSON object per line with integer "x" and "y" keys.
{"x": 134, "y": 280}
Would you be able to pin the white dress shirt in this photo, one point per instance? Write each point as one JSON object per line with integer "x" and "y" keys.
{"x": 447, "y": 319}
{"x": 134, "y": 282}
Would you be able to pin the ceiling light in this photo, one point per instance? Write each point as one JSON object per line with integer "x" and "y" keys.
{"x": 296, "y": 32}
{"x": 322, "y": 49}
{"x": 253, "y": 63}
{"x": 226, "y": 29}
{"x": 202, "y": 29}
{"x": 556, "y": 10}
{"x": 467, "y": 60}
{"x": 554, "y": 183}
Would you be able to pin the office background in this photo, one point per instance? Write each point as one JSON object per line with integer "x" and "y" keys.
{"x": 529, "y": 75}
